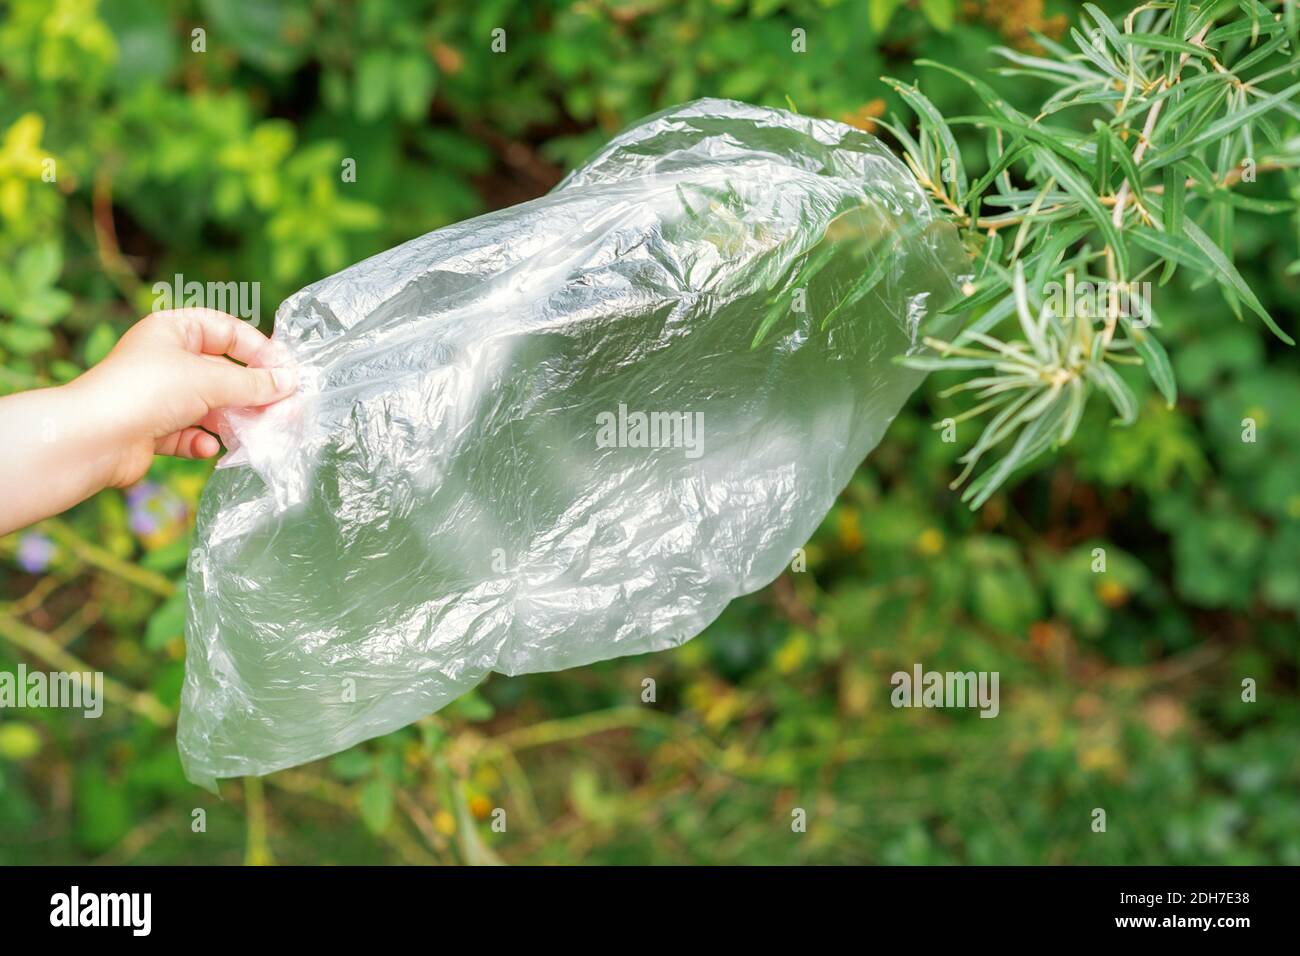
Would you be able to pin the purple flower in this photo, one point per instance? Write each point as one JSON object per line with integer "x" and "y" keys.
{"x": 150, "y": 506}
{"x": 34, "y": 552}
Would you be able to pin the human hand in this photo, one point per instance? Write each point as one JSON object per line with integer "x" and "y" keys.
{"x": 154, "y": 393}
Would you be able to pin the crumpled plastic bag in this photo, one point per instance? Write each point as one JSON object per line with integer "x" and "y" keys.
{"x": 563, "y": 432}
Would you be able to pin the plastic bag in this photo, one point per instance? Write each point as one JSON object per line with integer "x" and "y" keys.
{"x": 563, "y": 432}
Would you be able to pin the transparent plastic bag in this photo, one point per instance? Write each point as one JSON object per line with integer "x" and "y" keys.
{"x": 563, "y": 432}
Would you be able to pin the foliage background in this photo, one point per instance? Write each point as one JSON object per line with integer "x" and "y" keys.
{"x": 1119, "y": 690}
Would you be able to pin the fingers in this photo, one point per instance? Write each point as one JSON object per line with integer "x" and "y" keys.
{"x": 209, "y": 332}
{"x": 227, "y": 385}
{"x": 211, "y": 422}
{"x": 188, "y": 443}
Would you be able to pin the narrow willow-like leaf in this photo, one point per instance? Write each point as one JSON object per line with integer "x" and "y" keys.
{"x": 1175, "y": 191}
{"x": 1156, "y": 361}
{"x": 1037, "y": 436}
{"x": 1095, "y": 56}
{"x": 1080, "y": 190}
{"x": 1242, "y": 28}
{"x": 1121, "y": 153}
{"x": 1065, "y": 71}
{"x": 1233, "y": 121}
{"x": 1103, "y": 157}
{"x": 1262, "y": 53}
{"x": 1116, "y": 389}
{"x": 1178, "y": 30}
{"x": 1157, "y": 41}
{"x": 1163, "y": 81}
{"x": 924, "y": 108}
{"x": 989, "y": 96}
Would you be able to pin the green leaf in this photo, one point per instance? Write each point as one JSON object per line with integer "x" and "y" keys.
{"x": 1177, "y": 29}
{"x": 103, "y": 807}
{"x": 473, "y": 707}
{"x": 146, "y": 43}
{"x": 1056, "y": 247}
{"x": 1043, "y": 429}
{"x": 1120, "y": 151}
{"x": 1158, "y": 41}
{"x": 23, "y": 339}
{"x": 1079, "y": 188}
{"x": 869, "y": 280}
{"x": 39, "y": 265}
{"x": 1156, "y": 361}
{"x": 99, "y": 343}
{"x": 1262, "y": 53}
{"x": 273, "y": 36}
{"x": 1198, "y": 252}
{"x": 1061, "y": 71}
{"x": 413, "y": 83}
{"x": 1064, "y": 142}
{"x": 44, "y": 307}
{"x": 1096, "y": 56}
{"x": 934, "y": 119}
{"x": 880, "y": 12}
{"x": 1103, "y": 157}
{"x": 373, "y": 84}
{"x": 1244, "y": 28}
{"x": 990, "y": 97}
{"x": 940, "y": 13}
{"x": 167, "y": 622}
{"x": 1175, "y": 183}
{"x": 1010, "y": 155}
{"x": 1116, "y": 389}
{"x": 1230, "y": 123}
{"x": 1104, "y": 23}
{"x": 351, "y": 764}
{"x": 1208, "y": 13}
{"x": 376, "y": 804}
{"x": 1227, "y": 274}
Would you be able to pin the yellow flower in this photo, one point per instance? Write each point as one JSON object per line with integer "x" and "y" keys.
{"x": 714, "y": 701}
{"x": 444, "y": 823}
{"x": 1112, "y": 593}
{"x": 487, "y": 778}
{"x": 480, "y": 806}
{"x": 930, "y": 542}
{"x": 791, "y": 655}
{"x": 850, "y": 534}
{"x": 18, "y": 741}
{"x": 1099, "y": 757}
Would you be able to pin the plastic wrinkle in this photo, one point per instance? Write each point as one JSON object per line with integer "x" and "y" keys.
{"x": 563, "y": 432}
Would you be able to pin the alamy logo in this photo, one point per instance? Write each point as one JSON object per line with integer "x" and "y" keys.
{"x": 1099, "y": 300}
{"x": 134, "y": 910}
{"x": 240, "y": 299}
{"x": 951, "y": 689}
{"x": 651, "y": 430}
{"x": 71, "y": 690}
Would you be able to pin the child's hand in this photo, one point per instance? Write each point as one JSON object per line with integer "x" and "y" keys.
{"x": 153, "y": 394}
{"x": 156, "y": 391}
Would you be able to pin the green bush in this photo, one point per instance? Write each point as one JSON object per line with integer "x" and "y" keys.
{"x": 133, "y": 149}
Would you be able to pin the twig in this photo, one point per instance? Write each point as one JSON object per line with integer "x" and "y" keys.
{"x": 46, "y": 649}
{"x": 106, "y": 560}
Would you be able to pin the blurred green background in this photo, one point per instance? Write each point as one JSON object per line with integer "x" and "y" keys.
{"x": 1119, "y": 690}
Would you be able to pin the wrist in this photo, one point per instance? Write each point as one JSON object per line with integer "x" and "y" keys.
{"x": 99, "y": 438}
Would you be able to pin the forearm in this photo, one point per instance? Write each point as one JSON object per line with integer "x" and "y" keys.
{"x": 54, "y": 454}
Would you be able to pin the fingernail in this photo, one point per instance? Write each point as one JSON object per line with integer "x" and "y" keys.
{"x": 285, "y": 379}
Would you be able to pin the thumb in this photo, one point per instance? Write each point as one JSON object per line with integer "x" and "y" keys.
{"x": 224, "y": 384}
